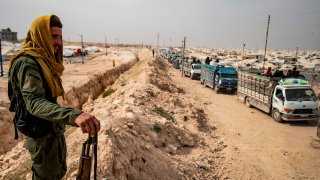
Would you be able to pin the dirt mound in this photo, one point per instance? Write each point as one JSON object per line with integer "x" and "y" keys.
{"x": 151, "y": 129}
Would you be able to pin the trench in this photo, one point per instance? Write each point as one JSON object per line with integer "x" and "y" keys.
{"x": 77, "y": 96}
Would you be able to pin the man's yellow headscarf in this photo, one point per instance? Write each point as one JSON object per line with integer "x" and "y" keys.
{"x": 39, "y": 44}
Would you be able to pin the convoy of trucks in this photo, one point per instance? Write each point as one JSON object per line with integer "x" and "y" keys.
{"x": 290, "y": 99}
{"x": 285, "y": 99}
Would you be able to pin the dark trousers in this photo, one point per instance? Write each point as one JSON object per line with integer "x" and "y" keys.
{"x": 48, "y": 155}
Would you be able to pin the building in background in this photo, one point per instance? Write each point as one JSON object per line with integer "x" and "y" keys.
{"x": 8, "y": 35}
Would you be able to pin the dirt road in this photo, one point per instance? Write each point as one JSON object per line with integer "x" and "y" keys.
{"x": 257, "y": 146}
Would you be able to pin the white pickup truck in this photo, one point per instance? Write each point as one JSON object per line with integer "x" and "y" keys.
{"x": 288, "y": 99}
{"x": 193, "y": 70}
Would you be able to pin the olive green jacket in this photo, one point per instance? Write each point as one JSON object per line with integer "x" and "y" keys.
{"x": 25, "y": 74}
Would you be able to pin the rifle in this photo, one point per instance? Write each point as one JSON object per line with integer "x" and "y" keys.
{"x": 84, "y": 167}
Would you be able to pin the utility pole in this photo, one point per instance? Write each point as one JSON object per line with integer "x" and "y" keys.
{"x": 118, "y": 46}
{"x": 1, "y": 73}
{"x": 183, "y": 47}
{"x": 265, "y": 48}
{"x": 170, "y": 42}
{"x": 243, "y": 45}
{"x": 82, "y": 50}
{"x": 297, "y": 55}
{"x": 105, "y": 44}
{"x": 158, "y": 42}
{"x": 117, "y": 39}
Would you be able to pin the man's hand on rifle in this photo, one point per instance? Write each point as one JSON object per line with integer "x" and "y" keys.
{"x": 88, "y": 123}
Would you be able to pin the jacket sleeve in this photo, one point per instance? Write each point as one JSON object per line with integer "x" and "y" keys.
{"x": 33, "y": 93}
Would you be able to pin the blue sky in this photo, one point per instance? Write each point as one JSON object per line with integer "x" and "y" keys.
{"x": 205, "y": 23}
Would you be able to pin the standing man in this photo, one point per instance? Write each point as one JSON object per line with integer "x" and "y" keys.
{"x": 34, "y": 85}
{"x": 152, "y": 52}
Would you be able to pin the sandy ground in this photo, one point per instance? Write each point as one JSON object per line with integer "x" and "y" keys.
{"x": 215, "y": 136}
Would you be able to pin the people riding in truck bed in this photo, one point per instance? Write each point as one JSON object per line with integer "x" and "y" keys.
{"x": 268, "y": 73}
{"x": 278, "y": 73}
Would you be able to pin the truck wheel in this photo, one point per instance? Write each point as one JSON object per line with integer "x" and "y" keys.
{"x": 216, "y": 89}
{"x": 248, "y": 102}
{"x": 276, "y": 115}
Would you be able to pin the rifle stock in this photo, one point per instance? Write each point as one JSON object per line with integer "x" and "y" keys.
{"x": 84, "y": 167}
{"x": 85, "y": 161}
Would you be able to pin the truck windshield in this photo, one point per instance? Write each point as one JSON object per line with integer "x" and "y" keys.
{"x": 300, "y": 95}
{"x": 196, "y": 66}
{"x": 234, "y": 76}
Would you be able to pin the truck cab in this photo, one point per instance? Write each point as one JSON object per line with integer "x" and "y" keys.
{"x": 294, "y": 100}
{"x": 226, "y": 79}
{"x": 193, "y": 70}
{"x": 220, "y": 78}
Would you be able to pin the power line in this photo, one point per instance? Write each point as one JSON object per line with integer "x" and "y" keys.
{"x": 297, "y": 15}
{"x": 286, "y": 28}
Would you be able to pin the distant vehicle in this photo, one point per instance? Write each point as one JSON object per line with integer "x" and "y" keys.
{"x": 288, "y": 99}
{"x": 77, "y": 50}
{"x": 220, "y": 78}
{"x": 92, "y": 49}
{"x": 290, "y": 60}
{"x": 193, "y": 70}
{"x": 176, "y": 62}
{"x": 172, "y": 57}
{"x": 164, "y": 53}
{"x": 68, "y": 52}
